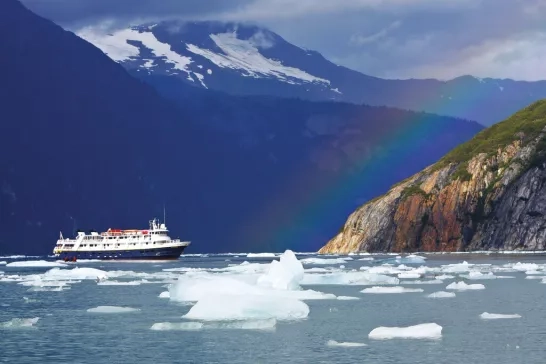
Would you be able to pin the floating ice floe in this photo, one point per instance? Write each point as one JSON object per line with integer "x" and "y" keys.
{"x": 267, "y": 324}
{"x": 34, "y": 264}
{"x": 441, "y": 294}
{"x": 347, "y": 298}
{"x": 19, "y": 323}
{"x": 396, "y": 289}
{"x": 348, "y": 278}
{"x": 474, "y": 275}
{"x": 344, "y": 344}
{"x": 112, "y": 309}
{"x": 462, "y": 286}
{"x": 121, "y": 283}
{"x": 411, "y": 259}
{"x": 324, "y": 261}
{"x": 422, "y": 331}
{"x": 241, "y": 307}
{"x": 261, "y": 255}
{"x": 523, "y": 267}
{"x": 409, "y": 275}
{"x": 430, "y": 281}
{"x": 3, "y": 262}
{"x": 178, "y": 326}
{"x": 165, "y": 294}
{"x": 443, "y": 277}
{"x": 493, "y": 316}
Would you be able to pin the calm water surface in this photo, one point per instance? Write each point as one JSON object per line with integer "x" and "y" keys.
{"x": 67, "y": 333}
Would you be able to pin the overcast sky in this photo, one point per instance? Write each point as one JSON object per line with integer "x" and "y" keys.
{"x": 386, "y": 38}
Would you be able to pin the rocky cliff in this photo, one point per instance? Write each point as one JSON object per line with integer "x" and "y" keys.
{"x": 486, "y": 194}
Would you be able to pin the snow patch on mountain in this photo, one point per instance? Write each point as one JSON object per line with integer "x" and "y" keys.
{"x": 116, "y": 46}
{"x": 244, "y": 55}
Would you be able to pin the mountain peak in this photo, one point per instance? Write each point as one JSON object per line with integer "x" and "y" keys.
{"x": 197, "y": 51}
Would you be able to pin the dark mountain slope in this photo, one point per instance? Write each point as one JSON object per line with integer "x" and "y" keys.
{"x": 86, "y": 145}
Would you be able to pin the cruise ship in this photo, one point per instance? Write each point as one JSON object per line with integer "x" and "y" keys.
{"x": 153, "y": 243}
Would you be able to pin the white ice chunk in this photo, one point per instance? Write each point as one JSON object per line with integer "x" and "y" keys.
{"x": 492, "y": 316}
{"x": 430, "y": 281}
{"x": 120, "y": 283}
{"x": 34, "y": 263}
{"x": 422, "y": 331}
{"x": 344, "y": 344}
{"x": 19, "y": 323}
{"x": 479, "y": 275}
{"x": 444, "y": 277}
{"x": 3, "y": 262}
{"x": 441, "y": 294}
{"x": 179, "y": 326}
{"x": 324, "y": 261}
{"x": 347, "y": 298}
{"x": 76, "y": 273}
{"x": 284, "y": 274}
{"x": 462, "y": 286}
{"x": 261, "y": 255}
{"x": 348, "y": 278}
{"x": 112, "y": 309}
{"x": 396, "y": 289}
{"x": 238, "y": 307}
{"x": 409, "y": 275}
{"x": 411, "y": 259}
{"x": 457, "y": 268}
{"x": 165, "y": 294}
{"x": 524, "y": 267}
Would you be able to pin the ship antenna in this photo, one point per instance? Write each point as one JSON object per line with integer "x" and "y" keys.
{"x": 164, "y": 216}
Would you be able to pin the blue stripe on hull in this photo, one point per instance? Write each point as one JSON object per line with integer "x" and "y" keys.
{"x": 144, "y": 254}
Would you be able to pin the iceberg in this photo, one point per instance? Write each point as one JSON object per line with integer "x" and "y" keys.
{"x": 396, "y": 289}
{"x": 422, "y": 331}
{"x": 241, "y": 307}
{"x": 284, "y": 274}
{"x": 493, "y": 316}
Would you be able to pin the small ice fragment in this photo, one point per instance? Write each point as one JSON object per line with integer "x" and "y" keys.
{"x": 165, "y": 294}
{"x": 441, "y": 294}
{"x": 112, "y": 309}
{"x": 462, "y": 286}
{"x": 395, "y": 289}
{"x": 492, "y": 316}
{"x": 344, "y": 344}
{"x": 421, "y": 331}
{"x": 409, "y": 275}
{"x": 3, "y": 262}
{"x": 34, "y": 263}
{"x": 260, "y": 255}
{"x": 18, "y": 323}
{"x": 181, "y": 326}
{"x": 347, "y": 298}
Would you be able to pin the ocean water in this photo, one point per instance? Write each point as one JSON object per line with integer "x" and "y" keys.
{"x": 54, "y": 325}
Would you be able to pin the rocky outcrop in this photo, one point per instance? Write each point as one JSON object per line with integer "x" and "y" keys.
{"x": 493, "y": 200}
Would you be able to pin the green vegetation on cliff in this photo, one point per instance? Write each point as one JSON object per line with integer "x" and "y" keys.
{"x": 525, "y": 125}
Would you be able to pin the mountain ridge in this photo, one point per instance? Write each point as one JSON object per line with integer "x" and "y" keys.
{"x": 486, "y": 194}
{"x": 250, "y": 60}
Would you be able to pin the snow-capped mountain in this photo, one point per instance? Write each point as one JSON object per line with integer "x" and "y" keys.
{"x": 250, "y": 60}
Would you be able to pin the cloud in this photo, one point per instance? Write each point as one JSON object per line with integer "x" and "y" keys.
{"x": 385, "y": 38}
{"x": 357, "y": 39}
